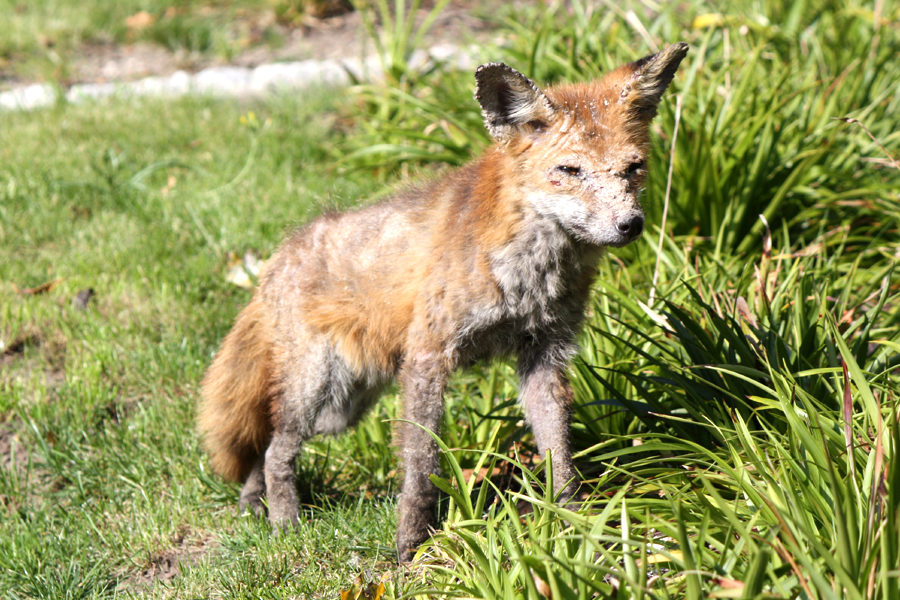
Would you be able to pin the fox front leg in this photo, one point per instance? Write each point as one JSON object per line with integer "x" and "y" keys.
{"x": 423, "y": 379}
{"x": 546, "y": 396}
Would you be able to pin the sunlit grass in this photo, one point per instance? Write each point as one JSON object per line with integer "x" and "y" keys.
{"x": 737, "y": 429}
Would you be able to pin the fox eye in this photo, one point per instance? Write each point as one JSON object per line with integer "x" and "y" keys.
{"x": 569, "y": 170}
{"x": 634, "y": 167}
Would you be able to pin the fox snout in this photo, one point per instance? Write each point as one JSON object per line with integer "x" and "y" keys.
{"x": 630, "y": 226}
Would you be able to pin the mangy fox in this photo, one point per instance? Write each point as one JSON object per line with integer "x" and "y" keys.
{"x": 494, "y": 259}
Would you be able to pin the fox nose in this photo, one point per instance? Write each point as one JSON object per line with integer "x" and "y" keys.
{"x": 631, "y": 225}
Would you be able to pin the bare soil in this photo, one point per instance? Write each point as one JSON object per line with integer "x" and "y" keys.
{"x": 186, "y": 550}
{"x": 12, "y": 454}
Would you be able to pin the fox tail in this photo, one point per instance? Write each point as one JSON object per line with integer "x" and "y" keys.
{"x": 237, "y": 396}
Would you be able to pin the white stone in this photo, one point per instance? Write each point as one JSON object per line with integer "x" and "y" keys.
{"x": 236, "y": 81}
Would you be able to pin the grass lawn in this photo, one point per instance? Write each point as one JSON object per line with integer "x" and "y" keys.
{"x": 737, "y": 391}
{"x": 104, "y": 488}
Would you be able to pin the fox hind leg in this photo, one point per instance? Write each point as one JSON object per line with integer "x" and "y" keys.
{"x": 305, "y": 387}
{"x": 254, "y": 489}
{"x": 322, "y": 394}
{"x": 281, "y": 485}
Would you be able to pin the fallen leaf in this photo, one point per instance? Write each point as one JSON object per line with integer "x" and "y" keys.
{"x": 732, "y": 584}
{"x": 728, "y": 588}
{"x": 363, "y": 591}
{"x": 542, "y": 587}
{"x": 672, "y": 555}
{"x": 244, "y": 271}
{"x": 744, "y": 310}
{"x": 39, "y": 289}
{"x": 139, "y": 20}
{"x": 656, "y": 316}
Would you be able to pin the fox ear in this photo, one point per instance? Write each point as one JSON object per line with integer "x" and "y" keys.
{"x": 509, "y": 101}
{"x": 652, "y": 75}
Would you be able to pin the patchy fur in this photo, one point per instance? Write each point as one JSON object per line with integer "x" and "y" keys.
{"x": 496, "y": 258}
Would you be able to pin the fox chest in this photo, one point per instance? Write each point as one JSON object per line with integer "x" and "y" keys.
{"x": 540, "y": 287}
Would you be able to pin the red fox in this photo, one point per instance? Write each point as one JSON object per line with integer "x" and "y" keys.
{"x": 493, "y": 259}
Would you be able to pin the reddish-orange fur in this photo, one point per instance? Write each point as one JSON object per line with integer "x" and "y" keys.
{"x": 236, "y": 427}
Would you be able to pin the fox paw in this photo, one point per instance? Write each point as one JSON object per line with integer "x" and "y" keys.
{"x": 252, "y": 503}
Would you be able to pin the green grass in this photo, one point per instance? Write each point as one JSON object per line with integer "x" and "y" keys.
{"x": 737, "y": 428}
{"x": 102, "y": 472}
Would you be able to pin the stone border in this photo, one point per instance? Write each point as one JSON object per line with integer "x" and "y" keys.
{"x": 234, "y": 81}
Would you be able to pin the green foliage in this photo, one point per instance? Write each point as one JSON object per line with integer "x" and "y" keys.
{"x": 747, "y": 452}
{"x": 760, "y": 131}
{"x": 737, "y": 425}
{"x": 412, "y": 114}
{"x": 103, "y": 488}
{"x": 737, "y": 432}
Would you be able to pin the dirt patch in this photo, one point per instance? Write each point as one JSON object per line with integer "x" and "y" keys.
{"x": 165, "y": 565}
{"x": 18, "y": 364}
{"x": 12, "y": 458}
{"x": 110, "y": 62}
{"x": 341, "y": 36}
{"x": 22, "y": 466}
{"x": 16, "y": 348}
{"x": 12, "y": 454}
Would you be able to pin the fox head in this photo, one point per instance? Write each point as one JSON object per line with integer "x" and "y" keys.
{"x": 580, "y": 149}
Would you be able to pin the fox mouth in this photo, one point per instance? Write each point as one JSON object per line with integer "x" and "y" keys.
{"x": 624, "y": 240}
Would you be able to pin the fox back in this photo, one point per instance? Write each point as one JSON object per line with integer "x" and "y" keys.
{"x": 495, "y": 258}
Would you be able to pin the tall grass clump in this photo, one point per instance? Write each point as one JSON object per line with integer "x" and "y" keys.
{"x": 743, "y": 444}
{"x": 411, "y": 115}
{"x": 737, "y": 426}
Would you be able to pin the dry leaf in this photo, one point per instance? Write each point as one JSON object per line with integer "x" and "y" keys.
{"x": 671, "y": 555}
{"x": 744, "y": 310}
{"x": 139, "y": 20}
{"x": 656, "y": 316}
{"x": 542, "y": 587}
{"x": 39, "y": 289}
{"x": 361, "y": 591}
{"x": 244, "y": 271}
{"x": 728, "y": 588}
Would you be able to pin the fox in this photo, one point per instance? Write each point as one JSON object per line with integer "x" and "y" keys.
{"x": 494, "y": 259}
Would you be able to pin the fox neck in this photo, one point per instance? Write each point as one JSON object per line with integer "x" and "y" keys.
{"x": 543, "y": 272}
